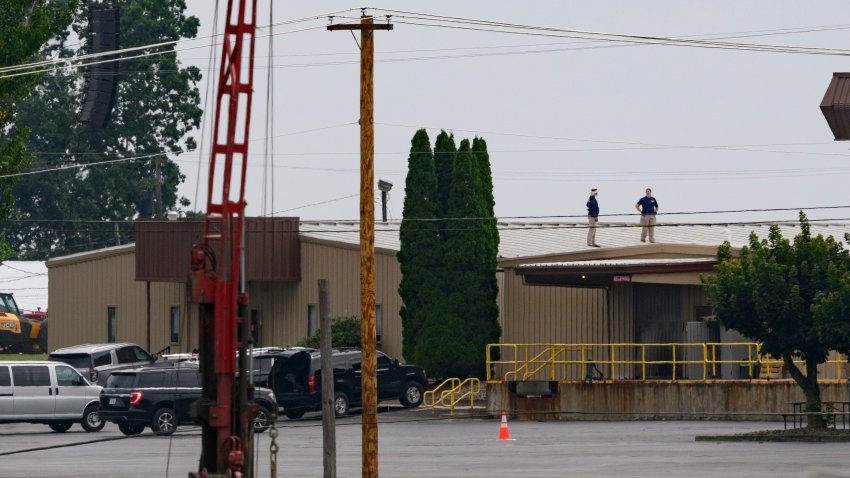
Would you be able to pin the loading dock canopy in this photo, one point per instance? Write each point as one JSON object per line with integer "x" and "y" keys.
{"x": 603, "y": 273}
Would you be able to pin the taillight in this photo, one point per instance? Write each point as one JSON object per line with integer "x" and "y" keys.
{"x": 312, "y": 382}
{"x": 92, "y": 375}
{"x": 136, "y": 398}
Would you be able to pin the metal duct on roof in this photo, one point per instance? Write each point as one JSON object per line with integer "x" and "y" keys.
{"x": 836, "y": 106}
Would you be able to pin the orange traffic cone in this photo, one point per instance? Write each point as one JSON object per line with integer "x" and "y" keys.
{"x": 504, "y": 433}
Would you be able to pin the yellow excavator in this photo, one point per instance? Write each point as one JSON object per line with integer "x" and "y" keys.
{"x": 16, "y": 331}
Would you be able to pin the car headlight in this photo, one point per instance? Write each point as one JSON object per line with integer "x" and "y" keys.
{"x": 270, "y": 396}
{"x": 8, "y": 325}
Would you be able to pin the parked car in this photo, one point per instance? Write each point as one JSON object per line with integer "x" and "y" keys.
{"x": 160, "y": 397}
{"x": 97, "y": 361}
{"x": 296, "y": 381}
{"x": 48, "y": 392}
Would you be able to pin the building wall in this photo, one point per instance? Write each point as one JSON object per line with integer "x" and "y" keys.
{"x": 81, "y": 290}
{"x": 283, "y": 307}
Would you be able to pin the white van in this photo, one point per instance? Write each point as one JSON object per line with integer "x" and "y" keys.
{"x": 52, "y": 393}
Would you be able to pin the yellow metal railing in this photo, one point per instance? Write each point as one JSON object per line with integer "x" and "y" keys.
{"x": 451, "y": 392}
{"x": 634, "y": 361}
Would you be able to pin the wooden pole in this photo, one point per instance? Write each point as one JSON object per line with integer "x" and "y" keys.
{"x": 369, "y": 364}
{"x": 367, "y": 251}
{"x": 328, "y": 416}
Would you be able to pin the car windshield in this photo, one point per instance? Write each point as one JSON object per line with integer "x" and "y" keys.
{"x": 74, "y": 360}
{"x": 121, "y": 380}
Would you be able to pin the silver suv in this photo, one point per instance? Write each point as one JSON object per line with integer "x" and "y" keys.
{"x": 97, "y": 361}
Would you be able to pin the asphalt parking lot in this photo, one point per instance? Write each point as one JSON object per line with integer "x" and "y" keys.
{"x": 413, "y": 444}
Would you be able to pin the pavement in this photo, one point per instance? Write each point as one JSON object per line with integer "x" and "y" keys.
{"x": 413, "y": 443}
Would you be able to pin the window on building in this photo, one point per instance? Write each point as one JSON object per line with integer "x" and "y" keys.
{"x": 174, "y": 318}
{"x": 312, "y": 320}
{"x": 111, "y": 325}
{"x": 378, "y": 321}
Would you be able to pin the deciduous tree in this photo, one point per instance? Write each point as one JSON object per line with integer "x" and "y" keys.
{"x": 788, "y": 296}
{"x": 156, "y": 109}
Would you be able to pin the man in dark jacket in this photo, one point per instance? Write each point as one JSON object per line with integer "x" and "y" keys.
{"x": 592, "y": 218}
{"x": 647, "y": 206}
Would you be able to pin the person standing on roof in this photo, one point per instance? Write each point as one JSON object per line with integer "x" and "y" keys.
{"x": 647, "y": 206}
{"x": 592, "y": 218}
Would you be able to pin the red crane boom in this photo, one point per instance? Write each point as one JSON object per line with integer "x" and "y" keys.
{"x": 224, "y": 410}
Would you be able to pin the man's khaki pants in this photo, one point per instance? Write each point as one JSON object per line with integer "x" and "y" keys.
{"x": 648, "y": 223}
{"x": 591, "y": 230}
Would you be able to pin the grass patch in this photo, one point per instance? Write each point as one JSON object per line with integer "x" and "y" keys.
{"x": 9, "y": 357}
{"x": 797, "y": 434}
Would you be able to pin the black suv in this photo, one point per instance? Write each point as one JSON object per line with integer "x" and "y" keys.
{"x": 160, "y": 396}
{"x": 296, "y": 380}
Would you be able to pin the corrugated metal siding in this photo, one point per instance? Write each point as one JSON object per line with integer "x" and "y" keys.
{"x": 284, "y": 307}
{"x": 163, "y": 249}
{"x": 80, "y": 294}
{"x": 567, "y": 315}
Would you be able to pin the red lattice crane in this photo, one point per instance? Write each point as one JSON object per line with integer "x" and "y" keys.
{"x": 224, "y": 412}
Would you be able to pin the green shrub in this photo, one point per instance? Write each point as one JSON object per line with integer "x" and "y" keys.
{"x": 345, "y": 332}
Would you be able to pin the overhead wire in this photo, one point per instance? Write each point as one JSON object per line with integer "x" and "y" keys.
{"x": 168, "y": 43}
{"x": 211, "y": 81}
{"x": 607, "y": 36}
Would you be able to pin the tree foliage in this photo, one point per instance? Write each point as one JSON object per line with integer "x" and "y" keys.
{"x": 156, "y": 109}
{"x": 788, "y": 296}
{"x": 25, "y": 27}
{"x": 451, "y": 295}
{"x": 345, "y": 332}
{"x": 419, "y": 254}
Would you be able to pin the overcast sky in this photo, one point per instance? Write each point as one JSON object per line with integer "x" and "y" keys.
{"x": 595, "y": 99}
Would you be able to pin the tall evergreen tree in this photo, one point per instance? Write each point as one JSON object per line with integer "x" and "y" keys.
{"x": 458, "y": 329}
{"x": 445, "y": 151}
{"x": 418, "y": 255}
{"x": 156, "y": 108}
{"x": 485, "y": 176}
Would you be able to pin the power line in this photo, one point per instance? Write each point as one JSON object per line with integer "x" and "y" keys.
{"x": 156, "y": 45}
{"x": 606, "y": 36}
{"x": 498, "y": 218}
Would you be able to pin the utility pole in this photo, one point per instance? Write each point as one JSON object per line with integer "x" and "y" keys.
{"x": 328, "y": 413}
{"x": 369, "y": 365}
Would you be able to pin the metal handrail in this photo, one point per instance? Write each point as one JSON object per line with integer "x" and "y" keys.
{"x": 450, "y": 383}
{"x": 531, "y": 360}
{"x": 474, "y": 388}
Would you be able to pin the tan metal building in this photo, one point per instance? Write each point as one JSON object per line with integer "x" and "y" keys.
{"x": 553, "y": 288}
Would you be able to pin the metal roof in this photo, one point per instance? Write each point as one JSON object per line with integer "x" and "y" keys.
{"x": 622, "y": 263}
{"x": 526, "y": 239}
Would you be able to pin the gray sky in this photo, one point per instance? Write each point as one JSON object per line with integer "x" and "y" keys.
{"x": 638, "y": 94}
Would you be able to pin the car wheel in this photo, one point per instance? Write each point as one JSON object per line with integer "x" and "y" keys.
{"x": 131, "y": 428}
{"x": 60, "y": 427}
{"x": 294, "y": 414}
{"x": 164, "y": 421}
{"x": 340, "y": 404}
{"x": 91, "y": 421}
{"x": 411, "y": 394}
{"x": 262, "y": 419}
